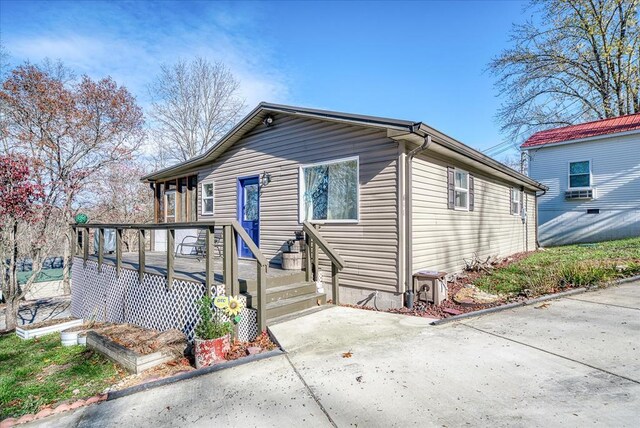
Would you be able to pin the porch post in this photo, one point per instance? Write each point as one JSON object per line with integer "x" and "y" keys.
{"x": 209, "y": 271}
{"x": 100, "y": 248}
{"x": 307, "y": 258}
{"x": 230, "y": 260}
{"x": 335, "y": 287}
{"x": 118, "y": 252}
{"x": 171, "y": 238}
{"x": 261, "y": 280}
{"x": 85, "y": 245}
{"x": 141, "y": 255}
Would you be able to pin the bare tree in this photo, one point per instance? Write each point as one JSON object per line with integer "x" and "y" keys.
{"x": 70, "y": 130}
{"x": 578, "y": 61}
{"x": 194, "y": 104}
{"x": 120, "y": 197}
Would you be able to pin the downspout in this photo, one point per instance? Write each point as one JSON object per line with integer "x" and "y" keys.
{"x": 544, "y": 192}
{"x": 409, "y": 222}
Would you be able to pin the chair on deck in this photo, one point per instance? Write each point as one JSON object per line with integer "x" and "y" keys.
{"x": 199, "y": 245}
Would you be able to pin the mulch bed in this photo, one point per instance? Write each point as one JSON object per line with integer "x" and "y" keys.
{"x": 260, "y": 344}
{"x": 449, "y": 307}
{"x": 144, "y": 341}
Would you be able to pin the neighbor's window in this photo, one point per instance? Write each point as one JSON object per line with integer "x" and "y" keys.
{"x": 516, "y": 201}
{"x": 461, "y": 189}
{"x": 579, "y": 174}
{"x": 207, "y": 198}
{"x": 329, "y": 191}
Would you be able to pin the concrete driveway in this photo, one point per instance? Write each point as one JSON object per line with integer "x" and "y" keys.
{"x": 573, "y": 362}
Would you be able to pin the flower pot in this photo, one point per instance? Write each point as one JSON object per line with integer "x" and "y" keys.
{"x": 292, "y": 261}
{"x": 211, "y": 351}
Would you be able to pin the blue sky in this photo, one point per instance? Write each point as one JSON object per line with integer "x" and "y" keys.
{"x": 422, "y": 61}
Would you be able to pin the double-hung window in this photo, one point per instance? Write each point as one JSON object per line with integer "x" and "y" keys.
{"x": 329, "y": 191}
{"x": 207, "y": 198}
{"x": 580, "y": 175}
{"x": 516, "y": 201}
{"x": 461, "y": 190}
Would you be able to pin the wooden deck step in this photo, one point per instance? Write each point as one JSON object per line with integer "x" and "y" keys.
{"x": 295, "y": 304}
{"x": 249, "y": 285}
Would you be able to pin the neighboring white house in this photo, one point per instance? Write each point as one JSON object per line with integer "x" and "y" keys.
{"x": 592, "y": 171}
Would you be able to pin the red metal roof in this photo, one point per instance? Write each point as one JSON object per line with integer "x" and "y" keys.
{"x": 613, "y": 125}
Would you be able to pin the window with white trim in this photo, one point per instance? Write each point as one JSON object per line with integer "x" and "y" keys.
{"x": 516, "y": 201}
{"x": 461, "y": 189}
{"x": 580, "y": 175}
{"x": 329, "y": 191}
{"x": 207, "y": 198}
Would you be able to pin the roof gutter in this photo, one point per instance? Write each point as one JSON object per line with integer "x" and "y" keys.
{"x": 409, "y": 297}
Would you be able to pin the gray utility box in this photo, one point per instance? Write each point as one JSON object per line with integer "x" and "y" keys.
{"x": 430, "y": 286}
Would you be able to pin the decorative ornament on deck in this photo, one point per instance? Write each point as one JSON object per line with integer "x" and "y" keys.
{"x": 81, "y": 218}
{"x": 232, "y": 306}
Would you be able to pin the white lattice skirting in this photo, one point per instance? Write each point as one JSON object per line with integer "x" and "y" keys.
{"x": 102, "y": 296}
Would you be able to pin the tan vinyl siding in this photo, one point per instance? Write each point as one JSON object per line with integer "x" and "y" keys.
{"x": 370, "y": 247}
{"x": 443, "y": 238}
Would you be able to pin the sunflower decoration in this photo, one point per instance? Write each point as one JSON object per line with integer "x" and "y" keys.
{"x": 234, "y": 307}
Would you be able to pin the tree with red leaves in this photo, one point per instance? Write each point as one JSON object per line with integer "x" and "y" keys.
{"x": 21, "y": 204}
{"x": 72, "y": 130}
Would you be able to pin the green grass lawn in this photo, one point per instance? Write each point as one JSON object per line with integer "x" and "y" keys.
{"x": 41, "y": 371}
{"x": 557, "y": 268}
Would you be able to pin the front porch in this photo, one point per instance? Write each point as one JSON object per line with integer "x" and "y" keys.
{"x": 119, "y": 285}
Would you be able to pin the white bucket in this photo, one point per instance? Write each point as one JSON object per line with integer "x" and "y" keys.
{"x": 82, "y": 338}
{"x": 292, "y": 261}
{"x": 69, "y": 338}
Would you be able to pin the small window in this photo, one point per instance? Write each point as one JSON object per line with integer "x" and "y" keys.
{"x": 516, "y": 201}
{"x": 329, "y": 191}
{"x": 207, "y": 198}
{"x": 580, "y": 175}
{"x": 461, "y": 190}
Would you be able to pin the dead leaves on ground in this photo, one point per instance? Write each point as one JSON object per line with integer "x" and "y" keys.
{"x": 347, "y": 354}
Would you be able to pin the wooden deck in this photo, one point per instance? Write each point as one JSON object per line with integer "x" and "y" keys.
{"x": 190, "y": 269}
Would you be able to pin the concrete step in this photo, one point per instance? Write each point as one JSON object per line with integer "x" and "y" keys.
{"x": 295, "y": 304}
{"x": 299, "y": 314}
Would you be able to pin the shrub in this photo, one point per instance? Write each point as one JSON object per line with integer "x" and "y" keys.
{"x": 210, "y": 327}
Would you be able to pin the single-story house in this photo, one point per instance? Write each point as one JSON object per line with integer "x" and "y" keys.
{"x": 592, "y": 171}
{"x": 392, "y": 197}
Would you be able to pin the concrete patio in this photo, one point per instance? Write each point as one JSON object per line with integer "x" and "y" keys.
{"x": 571, "y": 362}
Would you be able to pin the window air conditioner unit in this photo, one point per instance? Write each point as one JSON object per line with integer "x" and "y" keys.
{"x": 580, "y": 194}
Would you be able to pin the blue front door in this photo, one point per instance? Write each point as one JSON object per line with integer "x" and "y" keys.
{"x": 249, "y": 211}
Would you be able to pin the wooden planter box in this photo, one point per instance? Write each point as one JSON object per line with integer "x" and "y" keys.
{"x": 130, "y": 360}
{"x": 24, "y": 334}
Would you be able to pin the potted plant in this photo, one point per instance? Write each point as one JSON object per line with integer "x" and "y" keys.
{"x": 212, "y": 336}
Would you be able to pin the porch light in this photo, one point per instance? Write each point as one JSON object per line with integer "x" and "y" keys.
{"x": 268, "y": 121}
{"x": 265, "y": 179}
